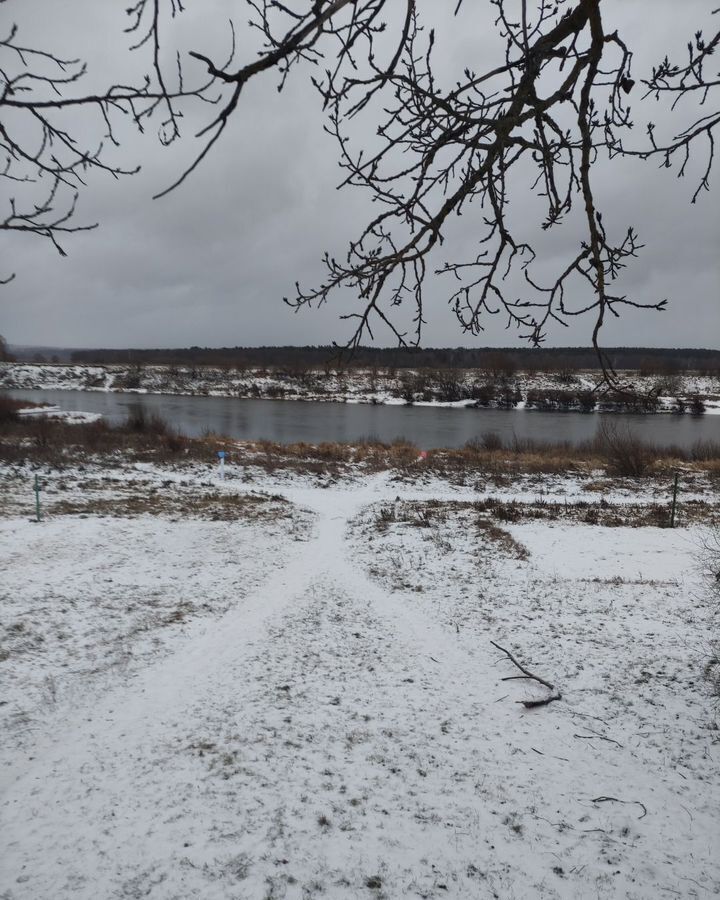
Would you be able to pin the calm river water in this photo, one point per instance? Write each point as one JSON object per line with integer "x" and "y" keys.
{"x": 287, "y": 421}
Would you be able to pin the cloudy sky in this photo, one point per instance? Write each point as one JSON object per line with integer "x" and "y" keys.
{"x": 210, "y": 263}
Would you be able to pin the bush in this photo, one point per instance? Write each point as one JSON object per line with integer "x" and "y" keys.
{"x": 510, "y": 397}
{"x": 132, "y": 379}
{"x": 141, "y": 423}
{"x": 483, "y": 394}
{"x": 622, "y": 449}
{"x": 415, "y": 386}
{"x": 587, "y": 401}
{"x": 704, "y": 451}
{"x": 491, "y": 440}
{"x": 545, "y": 399}
{"x": 622, "y": 401}
{"x": 551, "y": 399}
{"x": 8, "y": 409}
{"x": 447, "y": 387}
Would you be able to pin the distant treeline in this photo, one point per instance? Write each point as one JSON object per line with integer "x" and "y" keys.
{"x": 649, "y": 360}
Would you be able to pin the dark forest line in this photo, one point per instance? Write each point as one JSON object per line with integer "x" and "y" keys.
{"x": 648, "y": 360}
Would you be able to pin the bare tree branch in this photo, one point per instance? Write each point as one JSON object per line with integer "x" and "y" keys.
{"x": 43, "y": 155}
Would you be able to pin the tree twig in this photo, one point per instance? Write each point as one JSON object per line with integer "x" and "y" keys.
{"x": 596, "y": 735}
{"x": 529, "y": 704}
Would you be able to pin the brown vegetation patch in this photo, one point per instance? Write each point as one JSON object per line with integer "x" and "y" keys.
{"x": 435, "y": 514}
{"x": 9, "y": 407}
{"x": 619, "y": 453}
{"x": 503, "y": 539}
{"x": 58, "y": 443}
{"x": 214, "y": 505}
{"x": 610, "y": 515}
{"x": 61, "y": 496}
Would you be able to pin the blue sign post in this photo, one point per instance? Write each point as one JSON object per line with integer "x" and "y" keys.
{"x": 221, "y": 456}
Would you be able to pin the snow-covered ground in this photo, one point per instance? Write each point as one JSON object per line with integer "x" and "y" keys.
{"x": 54, "y": 412}
{"x": 283, "y": 686}
{"x": 353, "y": 386}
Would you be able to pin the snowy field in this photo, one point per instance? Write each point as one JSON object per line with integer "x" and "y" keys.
{"x": 284, "y": 686}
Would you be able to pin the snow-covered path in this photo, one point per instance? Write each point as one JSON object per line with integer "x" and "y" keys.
{"x": 330, "y": 737}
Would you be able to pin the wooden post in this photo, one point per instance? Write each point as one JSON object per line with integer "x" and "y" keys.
{"x": 37, "y": 499}
{"x": 674, "y": 500}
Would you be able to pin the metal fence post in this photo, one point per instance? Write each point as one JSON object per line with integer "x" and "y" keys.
{"x": 674, "y": 500}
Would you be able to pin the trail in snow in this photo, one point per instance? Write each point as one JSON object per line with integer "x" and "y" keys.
{"x": 100, "y": 746}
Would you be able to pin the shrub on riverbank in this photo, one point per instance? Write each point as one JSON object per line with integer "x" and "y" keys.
{"x": 448, "y": 386}
{"x": 549, "y": 399}
{"x": 623, "y": 451}
{"x": 623, "y": 454}
{"x": 626, "y": 402}
{"x": 495, "y": 395}
{"x": 52, "y": 440}
{"x": 8, "y": 409}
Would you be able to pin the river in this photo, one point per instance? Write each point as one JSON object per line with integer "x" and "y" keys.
{"x": 288, "y": 421}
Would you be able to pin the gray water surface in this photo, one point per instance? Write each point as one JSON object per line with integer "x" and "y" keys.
{"x": 288, "y": 421}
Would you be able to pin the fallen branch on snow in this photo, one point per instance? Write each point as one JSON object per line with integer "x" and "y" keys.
{"x": 526, "y": 673}
{"x": 618, "y": 800}
{"x": 594, "y": 735}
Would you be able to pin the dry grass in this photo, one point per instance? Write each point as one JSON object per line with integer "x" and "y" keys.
{"x": 435, "y": 514}
{"x": 503, "y": 539}
{"x": 610, "y": 515}
{"x": 56, "y": 443}
{"x": 9, "y": 407}
{"x": 83, "y": 495}
{"x": 626, "y": 455}
{"x": 493, "y": 513}
{"x": 419, "y": 514}
{"x": 174, "y": 503}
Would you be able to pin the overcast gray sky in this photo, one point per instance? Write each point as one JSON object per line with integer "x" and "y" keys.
{"x": 210, "y": 263}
